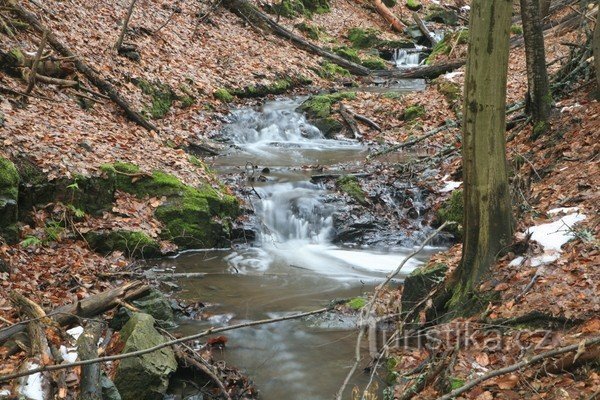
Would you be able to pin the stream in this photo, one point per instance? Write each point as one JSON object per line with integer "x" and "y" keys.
{"x": 292, "y": 265}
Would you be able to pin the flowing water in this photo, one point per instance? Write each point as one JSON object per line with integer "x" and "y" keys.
{"x": 291, "y": 266}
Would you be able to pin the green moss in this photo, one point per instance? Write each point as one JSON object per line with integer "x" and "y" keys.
{"x": 357, "y": 303}
{"x": 223, "y": 95}
{"x": 349, "y": 185}
{"x": 162, "y": 97}
{"x": 516, "y": 29}
{"x": 452, "y": 211}
{"x": 451, "y": 91}
{"x": 393, "y": 95}
{"x": 328, "y": 126}
{"x": 319, "y": 106}
{"x": 539, "y": 129}
{"x": 311, "y": 31}
{"x": 295, "y": 8}
{"x": 132, "y": 243}
{"x": 9, "y": 193}
{"x": 444, "y": 46}
{"x": 374, "y": 63}
{"x": 456, "y": 383}
{"x": 390, "y": 3}
{"x": 413, "y": 5}
{"x": 413, "y": 112}
{"x": 364, "y": 38}
{"x": 442, "y": 16}
{"x": 330, "y": 70}
{"x": 187, "y": 101}
{"x": 348, "y": 53}
{"x": 9, "y": 179}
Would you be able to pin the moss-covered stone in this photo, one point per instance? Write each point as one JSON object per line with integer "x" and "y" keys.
{"x": 442, "y": 16}
{"x": 223, "y": 95}
{"x": 374, "y": 63}
{"x": 452, "y": 211}
{"x": 162, "y": 97}
{"x": 413, "y": 112}
{"x": 451, "y": 90}
{"x": 413, "y": 5}
{"x": 9, "y": 193}
{"x": 295, "y": 8}
{"x": 348, "y": 53}
{"x": 329, "y": 127}
{"x": 330, "y": 70}
{"x": 349, "y": 185}
{"x": 132, "y": 243}
{"x": 364, "y": 38}
{"x": 319, "y": 106}
{"x": 311, "y": 31}
{"x": 444, "y": 46}
{"x": 146, "y": 376}
{"x": 419, "y": 283}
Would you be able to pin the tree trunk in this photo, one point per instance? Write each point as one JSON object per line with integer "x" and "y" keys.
{"x": 544, "y": 8}
{"x": 539, "y": 99}
{"x": 487, "y": 216}
{"x": 87, "y": 348}
{"x": 389, "y": 16}
{"x": 596, "y": 49}
{"x": 125, "y": 24}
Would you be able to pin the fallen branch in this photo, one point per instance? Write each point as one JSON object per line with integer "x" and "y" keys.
{"x": 6, "y": 378}
{"x": 349, "y": 120}
{"x": 447, "y": 125}
{"x": 189, "y": 360}
{"x": 515, "y": 367}
{"x": 424, "y": 29}
{"x": 125, "y": 24}
{"x": 36, "y": 61}
{"x": 389, "y": 16}
{"x": 96, "y": 80}
{"x": 426, "y": 72}
{"x": 364, "y": 120}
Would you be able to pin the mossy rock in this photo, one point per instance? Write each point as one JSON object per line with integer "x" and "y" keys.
{"x": 295, "y": 8}
{"x": 374, "y": 63}
{"x": 146, "y": 376}
{"x": 349, "y": 184}
{"x": 330, "y": 70}
{"x": 452, "y": 211}
{"x": 413, "y": 112}
{"x": 390, "y": 3}
{"x": 348, "y": 53}
{"x": 132, "y": 243}
{"x": 320, "y": 106}
{"x": 223, "y": 95}
{"x": 442, "y": 16}
{"x": 364, "y": 38}
{"x": 9, "y": 194}
{"x": 419, "y": 284}
{"x": 311, "y": 31}
{"x": 154, "y": 303}
{"x": 452, "y": 91}
{"x": 329, "y": 127}
{"x": 162, "y": 98}
{"x": 413, "y": 5}
{"x": 444, "y": 46}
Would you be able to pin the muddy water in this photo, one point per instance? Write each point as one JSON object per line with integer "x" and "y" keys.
{"x": 292, "y": 265}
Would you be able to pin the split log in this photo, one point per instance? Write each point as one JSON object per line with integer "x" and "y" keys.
{"x": 87, "y": 348}
{"x": 424, "y": 29}
{"x": 82, "y": 67}
{"x": 86, "y": 308}
{"x": 385, "y": 12}
{"x": 249, "y": 12}
{"x": 349, "y": 120}
{"x": 427, "y": 72}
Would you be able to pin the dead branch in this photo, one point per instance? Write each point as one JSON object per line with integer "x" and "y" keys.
{"x": 125, "y": 24}
{"x": 87, "y": 347}
{"x": 6, "y": 378}
{"x": 188, "y": 360}
{"x": 349, "y": 120}
{"x": 424, "y": 29}
{"x": 385, "y": 12}
{"x": 36, "y": 61}
{"x": 515, "y": 367}
{"x": 94, "y": 77}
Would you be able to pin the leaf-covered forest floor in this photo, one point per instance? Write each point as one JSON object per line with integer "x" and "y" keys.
{"x": 66, "y": 136}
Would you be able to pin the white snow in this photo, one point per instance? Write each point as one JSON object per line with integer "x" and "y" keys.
{"x": 450, "y": 186}
{"x": 32, "y": 389}
{"x": 564, "y": 210}
{"x": 69, "y": 354}
{"x": 5, "y": 392}
{"x": 75, "y": 332}
{"x": 552, "y": 236}
{"x": 451, "y": 75}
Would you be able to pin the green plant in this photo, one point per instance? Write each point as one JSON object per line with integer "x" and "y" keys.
{"x": 357, "y": 303}
{"x": 30, "y": 241}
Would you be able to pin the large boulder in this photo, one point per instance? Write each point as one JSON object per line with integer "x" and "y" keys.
{"x": 147, "y": 376}
{"x": 9, "y": 193}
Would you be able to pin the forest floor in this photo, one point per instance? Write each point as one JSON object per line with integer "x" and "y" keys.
{"x": 65, "y": 136}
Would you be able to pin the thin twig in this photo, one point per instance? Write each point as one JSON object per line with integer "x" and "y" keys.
{"x": 6, "y": 378}
{"x": 36, "y": 61}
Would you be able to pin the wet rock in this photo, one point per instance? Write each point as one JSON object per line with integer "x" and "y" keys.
{"x": 147, "y": 376}
{"x": 109, "y": 390}
{"x": 442, "y": 16}
{"x": 154, "y": 304}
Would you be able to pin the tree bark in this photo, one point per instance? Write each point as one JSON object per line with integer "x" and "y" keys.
{"x": 487, "y": 220}
{"x": 539, "y": 98}
{"x": 596, "y": 49}
{"x": 250, "y": 13}
{"x": 389, "y": 16}
{"x": 87, "y": 348}
{"x": 544, "y": 8}
{"x": 424, "y": 29}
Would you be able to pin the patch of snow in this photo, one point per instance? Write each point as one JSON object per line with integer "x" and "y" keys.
{"x": 465, "y": 8}
{"x": 69, "y": 354}
{"x": 451, "y": 75}
{"x": 5, "y": 392}
{"x": 570, "y": 108}
{"x": 75, "y": 332}
{"x": 32, "y": 389}
{"x": 564, "y": 210}
{"x": 516, "y": 262}
{"x": 450, "y": 186}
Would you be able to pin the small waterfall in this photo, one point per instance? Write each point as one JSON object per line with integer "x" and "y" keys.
{"x": 406, "y": 58}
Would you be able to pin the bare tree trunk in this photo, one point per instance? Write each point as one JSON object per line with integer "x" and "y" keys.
{"x": 125, "y": 24}
{"x": 389, "y": 16}
{"x": 487, "y": 217}
{"x": 539, "y": 98}
{"x": 87, "y": 347}
{"x": 544, "y": 8}
{"x": 596, "y": 49}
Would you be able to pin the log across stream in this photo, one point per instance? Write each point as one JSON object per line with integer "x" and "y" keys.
{"x": 292, "y": 264}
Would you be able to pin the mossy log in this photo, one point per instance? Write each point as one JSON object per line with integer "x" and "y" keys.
{"x": 250, "y": 13}
{"x": 82, "y": 67}
{"x": 426, "y": 72}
